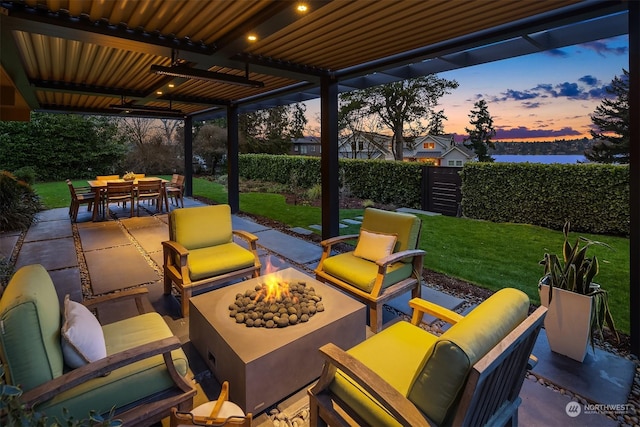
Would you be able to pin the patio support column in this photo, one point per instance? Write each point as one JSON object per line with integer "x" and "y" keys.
{"x": 634, "y": 174}
{"x": 233, "y": 170}
{"x": 329, "y": 156}
{"x": 188, "y": 156}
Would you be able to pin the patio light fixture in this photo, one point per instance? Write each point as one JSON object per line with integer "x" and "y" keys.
{"x": 127, "y": 107}
{"x": 198, "y": 74}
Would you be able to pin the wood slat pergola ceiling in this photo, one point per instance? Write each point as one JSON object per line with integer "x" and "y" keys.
{"x": 88, "y": 55}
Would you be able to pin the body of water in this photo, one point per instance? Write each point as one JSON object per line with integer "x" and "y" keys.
{"x": 539, "y": 158}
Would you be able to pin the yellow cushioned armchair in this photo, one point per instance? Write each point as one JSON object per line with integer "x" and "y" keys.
{"x": 385, "y": 263}
{"x": 471, "y": 375}
{"x": 201, "y": 251}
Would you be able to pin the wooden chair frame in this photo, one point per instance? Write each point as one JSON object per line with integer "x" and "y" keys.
{"x": 490, "y": 395}
{"x": 80, "y": 196}
{"x": 378, "y": 295}
{"x": 175, "y": 189}
{"x": 150, "y": 189}
{"x": 147, "y": 412}
{"x": 176, "y": 273}
{"x": 120, "y": 192}
{"x": 187, "y": 418}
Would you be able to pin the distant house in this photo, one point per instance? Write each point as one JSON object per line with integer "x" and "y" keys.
{"x": 440, "y": 150}
{"x": 365, "y": 145}
{"x": 306, "y": 146}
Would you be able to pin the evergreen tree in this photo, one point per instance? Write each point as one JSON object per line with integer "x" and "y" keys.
{"x": 436, "y": 127}
{"x": 480, "y": 135}
{"x": 611, "y": 119}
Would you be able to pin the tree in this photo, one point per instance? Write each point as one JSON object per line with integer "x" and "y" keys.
{"x": 358, "y": 129}
{"x": 436, "y": 127}
{"x": 210, "y": 144}
{"x": 480, "y": 135}
{"x": 154, "y": 145}
{"x": 402, "y": 106}
{"x": 60, "y": 146}
{"x": 611, "y": 119}
{"x": 270, "y": 131}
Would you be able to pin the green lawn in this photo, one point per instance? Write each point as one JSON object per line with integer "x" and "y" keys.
{"x": 487, "y": 254}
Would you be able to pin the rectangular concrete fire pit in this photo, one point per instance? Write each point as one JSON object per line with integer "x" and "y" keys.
{"x": 263, "y": 366}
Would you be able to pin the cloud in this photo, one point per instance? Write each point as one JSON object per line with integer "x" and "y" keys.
{"x": 557, "y": 53}
{"x": 531, "y": 104}
{"x": 589, "y": 80}
{"x": 602, "y": 49}
{"x": 522, "y": 132}
{"x": 568, "y": 90}
{"x": 587, "y": 87}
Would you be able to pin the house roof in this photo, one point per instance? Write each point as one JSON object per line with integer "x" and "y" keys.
{"x": 462, "y": 149}
{"x": 95, "y": 56}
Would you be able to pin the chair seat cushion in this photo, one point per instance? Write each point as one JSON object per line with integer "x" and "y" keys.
{"x": 361, "y": 273}
{"x": 216, "y": 260}
{"x": 393, "y": 354}
{"x": 127, "y": 384}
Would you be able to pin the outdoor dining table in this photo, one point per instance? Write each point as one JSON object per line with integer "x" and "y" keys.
{"x": 100, "y": 186}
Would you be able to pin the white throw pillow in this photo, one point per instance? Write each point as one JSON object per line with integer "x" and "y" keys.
{"x": 374, "y": 246}
{"x": 82, "y": 336}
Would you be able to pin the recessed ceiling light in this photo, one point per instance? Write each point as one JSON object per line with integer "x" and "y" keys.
{"x": 159, "y": 92}
{"x": 302, "y": 7}
{"x": 252, "y": 37}
{"x": 172, "y": 85}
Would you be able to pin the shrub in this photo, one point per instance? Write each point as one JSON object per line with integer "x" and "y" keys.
{"x": 594, "y": 197}
{"x": 26, "y": 174}
{"x": 6, "y": 271}
{"x": 315, "y": 192}
{"x": 18, "y": 203}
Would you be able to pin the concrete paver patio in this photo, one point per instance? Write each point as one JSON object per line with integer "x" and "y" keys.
{"x": 127, "y": 252}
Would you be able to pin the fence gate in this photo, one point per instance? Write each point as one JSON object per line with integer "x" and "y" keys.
{"x": 441, "y": 190}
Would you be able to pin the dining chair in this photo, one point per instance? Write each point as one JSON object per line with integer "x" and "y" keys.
{"x": 80, "y": 196}
{"x": 120, "y": 192}
{"x": 175, "y": 189}
{"x": 150, "y": 190}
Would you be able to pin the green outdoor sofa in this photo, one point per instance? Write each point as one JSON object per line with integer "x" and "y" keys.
{"x": 139, "y": 369}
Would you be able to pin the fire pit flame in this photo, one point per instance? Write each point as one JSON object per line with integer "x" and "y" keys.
{"x": 276, "y": 303}
{"x": 275, "y": 289}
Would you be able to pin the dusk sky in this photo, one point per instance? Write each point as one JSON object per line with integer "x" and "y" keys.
{"x": 542, "y": 97}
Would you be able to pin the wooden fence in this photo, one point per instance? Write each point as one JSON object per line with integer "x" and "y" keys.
{"x": 441, "y": 190}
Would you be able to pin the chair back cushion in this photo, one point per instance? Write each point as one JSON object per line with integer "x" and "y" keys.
{"x": 405, "y": 226}
{"x": 30, "y": 328}
{"x": 201, "y": 226}
{"x": 441, "y": 378}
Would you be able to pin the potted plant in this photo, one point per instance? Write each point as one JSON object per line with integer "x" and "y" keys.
{"x": 578, "y": 307}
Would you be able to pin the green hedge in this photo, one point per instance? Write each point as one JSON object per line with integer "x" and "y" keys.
{"x": 394, "y": 183}
{"x": 594, "y": 197}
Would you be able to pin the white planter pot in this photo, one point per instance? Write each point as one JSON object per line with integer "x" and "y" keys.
{"x": 568, "y": 322}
